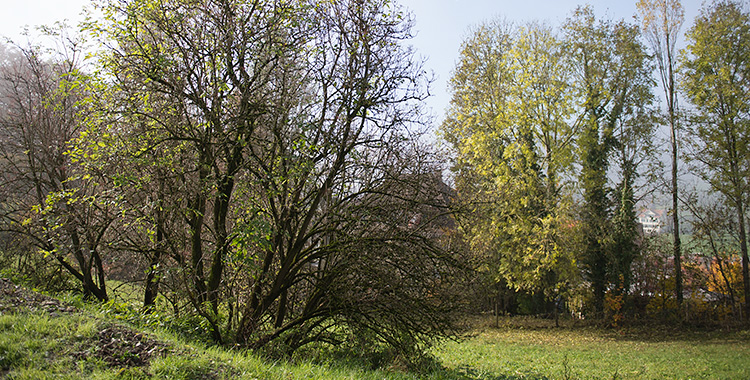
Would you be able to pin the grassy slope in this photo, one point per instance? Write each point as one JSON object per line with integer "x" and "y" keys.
{"x": 37, "y": 345}
{"x": 54, "y": 341}
{"x": 43, "y": 338}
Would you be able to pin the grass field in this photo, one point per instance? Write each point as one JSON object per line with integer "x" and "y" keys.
{"x": 533, "y": 349}
{"x": 41, "y": 338}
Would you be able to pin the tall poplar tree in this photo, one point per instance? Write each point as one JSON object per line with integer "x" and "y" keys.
{"x": 612, "y": 87}
{"x": 589, "y": 44}
{"x": 662, "y": 21}
{"x": 715, "y": 80}
{"x": 633, "y": 152}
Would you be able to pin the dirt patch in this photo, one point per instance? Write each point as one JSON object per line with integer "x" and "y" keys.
{"x": 15, "y": 298}
{"x": 123, "y": 347}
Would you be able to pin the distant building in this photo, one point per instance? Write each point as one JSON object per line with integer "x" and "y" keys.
{"x": 652, "y": 221}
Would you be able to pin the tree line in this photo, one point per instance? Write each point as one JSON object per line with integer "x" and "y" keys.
{"x": 554, "y": 136}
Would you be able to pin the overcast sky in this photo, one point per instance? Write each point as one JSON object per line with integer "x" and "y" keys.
{"x": 441, "y": 25}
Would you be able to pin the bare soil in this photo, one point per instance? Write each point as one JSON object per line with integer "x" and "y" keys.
{"x": 17, "y": 299}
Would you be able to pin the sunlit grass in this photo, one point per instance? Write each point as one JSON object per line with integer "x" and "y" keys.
{"x": 522, "y": 352}
{"x": 36, "y": 345}
{"x": 39, "y": 345}
{"x": 32, "y": 344}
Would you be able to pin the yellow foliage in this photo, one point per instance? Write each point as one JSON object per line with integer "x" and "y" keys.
{"x": 725, "y": 278}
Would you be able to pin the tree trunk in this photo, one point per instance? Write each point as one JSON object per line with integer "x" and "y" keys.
{"x": 743, "y": 248}
{"x": 556, "y": 305}
{"x": 221, "y": 209}
{"x": 152, "y": 280}
{"x": 281, "y": 313}
{"x": 497, "y": 308}
{"x": 152, "y": 287}
{"x": 87, "y": 280}
{"x": 672, "y": 109}
{"x": 198, "y": 209}
{"x": 676, "y": 220}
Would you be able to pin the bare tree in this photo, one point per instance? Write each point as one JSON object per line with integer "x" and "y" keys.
{"x": 45, "y": 199}
{"x": 307, "y": 202}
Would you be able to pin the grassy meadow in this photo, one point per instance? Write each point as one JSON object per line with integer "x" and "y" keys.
{"x": 55, "y": 341}
{"x": 534, "y": 349}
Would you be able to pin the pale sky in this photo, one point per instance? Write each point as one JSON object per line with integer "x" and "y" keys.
{"x": 441, "y": 25}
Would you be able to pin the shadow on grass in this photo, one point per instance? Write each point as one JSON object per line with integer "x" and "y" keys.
{"x": 646, "y": 331}
{"x": 655, "y": 331}
{"x": 427, "y": 367}
{"x": 470, "y": 373}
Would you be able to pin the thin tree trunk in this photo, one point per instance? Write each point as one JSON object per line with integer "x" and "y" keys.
{"x": 497, "y": 309}
{"x": 281, "y": 313}
{"x": 152, "y": 280}
{"x": 743, "y": 248}
{"x": 676, "y": 231}
{"x": 221, "y": 210}
{"x": 555, "y": 304}
{"x": 675, "y": 204}
{"x": 152, "y": 285}
{"x": 198, "y": 210}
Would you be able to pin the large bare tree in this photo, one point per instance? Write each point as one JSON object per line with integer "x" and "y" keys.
{"x": 307, "y": 201}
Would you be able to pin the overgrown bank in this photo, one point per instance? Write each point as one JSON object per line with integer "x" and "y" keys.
{"x": 42, "y": 337}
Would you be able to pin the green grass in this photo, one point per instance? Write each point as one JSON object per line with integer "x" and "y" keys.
{"x": 518, "y": 351}
{"x": 40, "y": 345}
{"x": 35, "y": 345}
